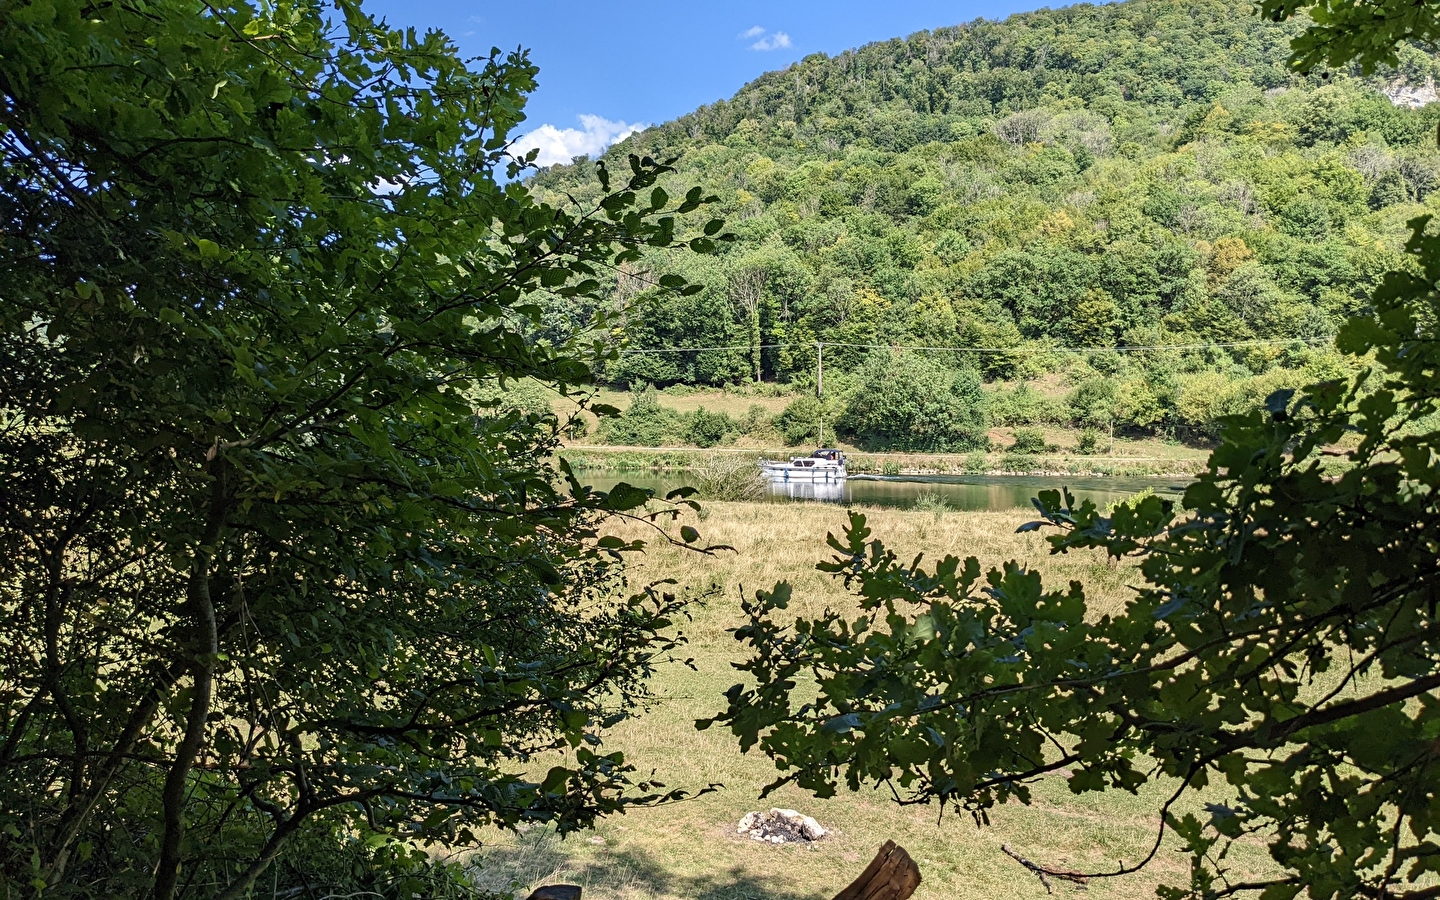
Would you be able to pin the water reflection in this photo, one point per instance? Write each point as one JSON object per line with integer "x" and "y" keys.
{"x": 977, "y": 492}
{"x": 832, "y": 491}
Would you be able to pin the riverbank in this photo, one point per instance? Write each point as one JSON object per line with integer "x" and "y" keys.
{"x": 1184, "y": 462}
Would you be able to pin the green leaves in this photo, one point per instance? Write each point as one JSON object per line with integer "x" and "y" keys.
{"x": 255, "y": 458}
{"x": 1282, "y": 635}
{"x": 626, "y": 496}
{"x": 1368, "y": 33}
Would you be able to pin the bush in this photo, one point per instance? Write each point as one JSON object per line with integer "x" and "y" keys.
{"x": 728, "y": 476}
{"x": 1093, "y": 402}
{"x": 977, "y": 462}
{"x": 1029, "y": 440}
{"x": 1023, "y": 405}
{"x": 906, "y": 402}
{"x": 644, "y": 424}
{"x": 755, "y": 421}
{"x": 524, "y": 396}
{"x": 706, "y": 429}
{"x": 805, "y": 420}
{"x": 1020, "y": 462}
{"x": 575, "y": 428}
{"x": 1089, "y": 442}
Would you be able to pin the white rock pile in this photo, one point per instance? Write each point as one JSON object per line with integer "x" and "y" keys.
{"x": 780, "y": 826}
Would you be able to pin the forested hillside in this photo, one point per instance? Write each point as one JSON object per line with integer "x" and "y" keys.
{"x": 1140, "y": 174}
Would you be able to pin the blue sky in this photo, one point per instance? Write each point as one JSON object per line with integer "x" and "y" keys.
{"x": 608, "y": 67}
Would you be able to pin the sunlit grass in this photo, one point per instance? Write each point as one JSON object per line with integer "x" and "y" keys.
{"x": 689, "y": 851}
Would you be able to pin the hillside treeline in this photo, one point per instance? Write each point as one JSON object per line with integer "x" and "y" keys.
{"x": 1139, "y": 174}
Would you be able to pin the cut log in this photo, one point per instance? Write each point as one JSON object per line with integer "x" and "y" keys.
{"x": 556, "y": 892}
{"x": 891, "y": 875}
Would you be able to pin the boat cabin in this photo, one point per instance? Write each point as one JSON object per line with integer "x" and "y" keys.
{"x": 826, "y": 464}
{"x": 826, "y": 457}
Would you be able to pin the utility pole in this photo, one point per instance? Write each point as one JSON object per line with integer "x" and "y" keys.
{"x": 819, "y": 371}
{"x": 820, "y": 391}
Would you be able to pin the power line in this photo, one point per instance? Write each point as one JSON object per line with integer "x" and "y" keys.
{"x": 1151, "y": 348}
{"x": 693, "y": 349}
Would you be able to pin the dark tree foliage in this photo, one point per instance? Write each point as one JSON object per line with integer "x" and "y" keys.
{"x": 283, "y": 588}
{"x": 1280, "y": 661}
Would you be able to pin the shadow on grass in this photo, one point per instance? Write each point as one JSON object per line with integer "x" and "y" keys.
{"x": 623, "y": 874}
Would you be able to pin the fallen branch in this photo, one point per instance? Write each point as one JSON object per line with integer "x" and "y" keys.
{"x": 1045, "y": 873}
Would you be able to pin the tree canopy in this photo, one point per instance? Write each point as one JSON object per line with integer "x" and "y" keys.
{"x": 284, "y": 589}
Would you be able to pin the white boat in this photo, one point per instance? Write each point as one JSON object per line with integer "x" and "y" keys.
{"x": 824, "y": 465}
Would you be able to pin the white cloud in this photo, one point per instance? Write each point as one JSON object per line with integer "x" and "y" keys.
{"x": 751, "y": 32}
{"x": 775, "y": 41}
{"x": 560, "y": 145}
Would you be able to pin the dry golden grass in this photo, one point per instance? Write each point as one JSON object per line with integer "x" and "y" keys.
{"x": 689, "y": 851}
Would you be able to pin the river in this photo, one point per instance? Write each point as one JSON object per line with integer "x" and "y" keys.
{"x": 961, "y": 492}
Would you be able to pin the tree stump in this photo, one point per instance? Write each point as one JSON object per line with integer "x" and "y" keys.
{"x": 891, "y": 875}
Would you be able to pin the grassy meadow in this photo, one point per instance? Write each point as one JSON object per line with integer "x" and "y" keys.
{"x": 689, "y": 850}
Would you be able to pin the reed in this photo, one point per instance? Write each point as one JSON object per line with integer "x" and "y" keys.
{"x": 727, "y": 477}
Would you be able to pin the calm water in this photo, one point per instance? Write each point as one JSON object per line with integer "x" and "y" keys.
{"x": 959, "y": 491}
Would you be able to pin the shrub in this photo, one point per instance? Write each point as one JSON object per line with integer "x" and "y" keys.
{"x": 977, "y": 462}
{"x": 1020, "y": 462}
{"x": 1029, "y": 440}
{"x": 805, "y": 420}
{"x": 706, "y": 429}
{"x": 644, "y": 424}
{"x": 524, "y": 396}
{"x": 1205, "y": 398}
{"x": 906, "y": 402}
{"x": 576, "y": 428}
{"x": 755, "y": 420}
{"x": 1023, "y": 405}
{"x": 1089, "y": 442}
{"x": 1093, "y": 402}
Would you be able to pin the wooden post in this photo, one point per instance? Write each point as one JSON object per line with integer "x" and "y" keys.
{"x": 891, "y": 875}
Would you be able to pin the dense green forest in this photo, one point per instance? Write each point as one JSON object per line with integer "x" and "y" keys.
{"x": 1141, "y": 174}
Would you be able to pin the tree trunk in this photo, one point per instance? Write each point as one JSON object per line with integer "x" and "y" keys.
{"x": 77, "y": 814}
{"x": 204, "y": 647}
{"x": 241, "y": 886}
{"x": 755, "y": 340}
{"x": 167, "y": 872}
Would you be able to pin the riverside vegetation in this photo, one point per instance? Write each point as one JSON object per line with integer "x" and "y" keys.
{"x": 1101, "y": 178}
